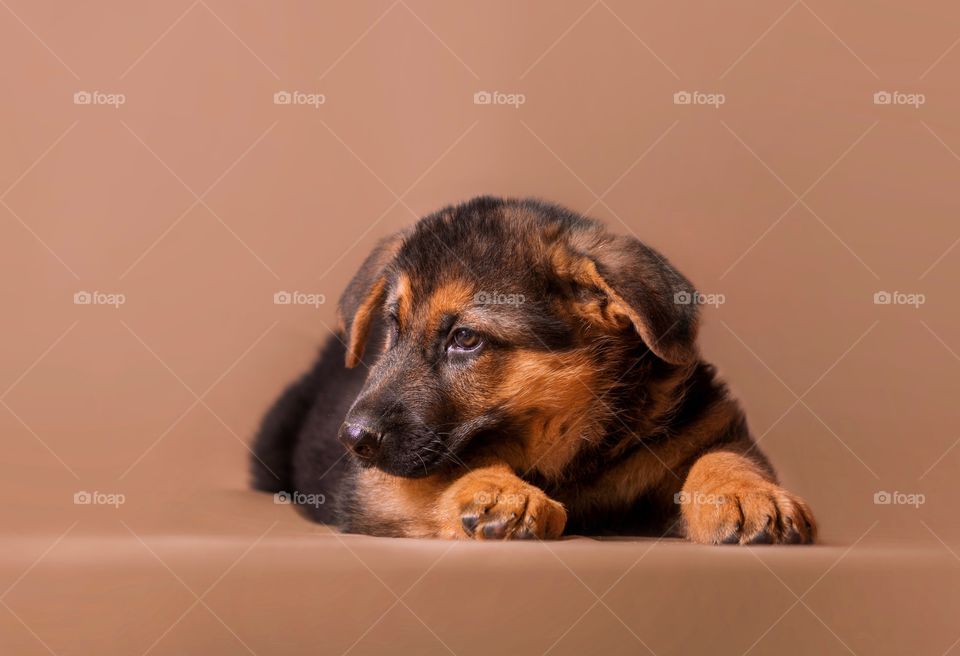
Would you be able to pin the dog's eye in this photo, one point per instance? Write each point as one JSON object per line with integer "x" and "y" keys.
{"x": 465, "y": 339}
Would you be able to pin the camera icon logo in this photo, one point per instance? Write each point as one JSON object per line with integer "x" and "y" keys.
{"x": 682, "y": 498}
{"x": 282, "y": 298}
{"x": 282, "y": 98}
{"x": 882, "y": 498}
{"x": 82, "y": 98}
{"x": 882, "y": 98}
{"x": 282, "y": 498}
{"x": 482, "y": 98}
{"x": 82, "y": 298}
{"x": 682, "y": 98}
{"x": 882, "y": 298}
{"x": 82, "y": 498}
{"x": 683, "y": 298}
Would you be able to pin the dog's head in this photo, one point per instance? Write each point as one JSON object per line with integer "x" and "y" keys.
{"x": 501, "y": 316}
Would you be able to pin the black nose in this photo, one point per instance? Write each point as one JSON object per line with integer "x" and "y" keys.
{"x": 361, "y": 440}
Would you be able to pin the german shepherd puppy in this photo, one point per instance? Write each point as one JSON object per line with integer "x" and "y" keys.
{"x": 534, "y": 375}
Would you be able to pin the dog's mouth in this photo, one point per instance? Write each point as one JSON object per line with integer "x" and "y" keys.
{"x": 415, "y": 461}
{"x": 422, "y": 461}
{"x": 433, "y": 452}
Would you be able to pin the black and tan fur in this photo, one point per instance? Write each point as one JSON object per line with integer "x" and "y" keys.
{"x": 584, "y": 408}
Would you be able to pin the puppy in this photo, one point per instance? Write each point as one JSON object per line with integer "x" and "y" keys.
{"x": 532, "y": 375}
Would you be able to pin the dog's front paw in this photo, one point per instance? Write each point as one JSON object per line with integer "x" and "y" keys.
{"x": 493, "y": 504}
{"x": 746, "y": 512}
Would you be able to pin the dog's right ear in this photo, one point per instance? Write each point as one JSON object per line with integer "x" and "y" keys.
{"x": 364, "y": 296}
{"x": 628, "y": 284}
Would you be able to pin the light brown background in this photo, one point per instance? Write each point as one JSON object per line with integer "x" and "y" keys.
{"x": 199, "y": 198}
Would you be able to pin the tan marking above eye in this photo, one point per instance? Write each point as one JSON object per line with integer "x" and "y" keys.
{"x": 449, "y": 298}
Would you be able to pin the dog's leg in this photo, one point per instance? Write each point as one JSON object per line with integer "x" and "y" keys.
{"x": 487, "y": 503}
{"x": 493, "y": 503}
{"x": 727, "y": 498}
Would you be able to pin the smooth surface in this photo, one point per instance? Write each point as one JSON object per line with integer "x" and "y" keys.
{"x": 268, "y": 583}
{"x": 199, "y": 199}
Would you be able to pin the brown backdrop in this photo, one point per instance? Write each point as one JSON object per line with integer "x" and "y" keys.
{"x": 147, "y": 162}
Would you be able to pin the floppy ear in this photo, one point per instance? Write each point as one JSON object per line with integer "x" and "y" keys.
{"x": 626, "y": 284}
{"x": 363, "y": 297}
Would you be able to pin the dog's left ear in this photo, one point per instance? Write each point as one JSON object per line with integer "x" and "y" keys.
{"x": 624, "y": 283}
{"x": 363, "y": 297}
